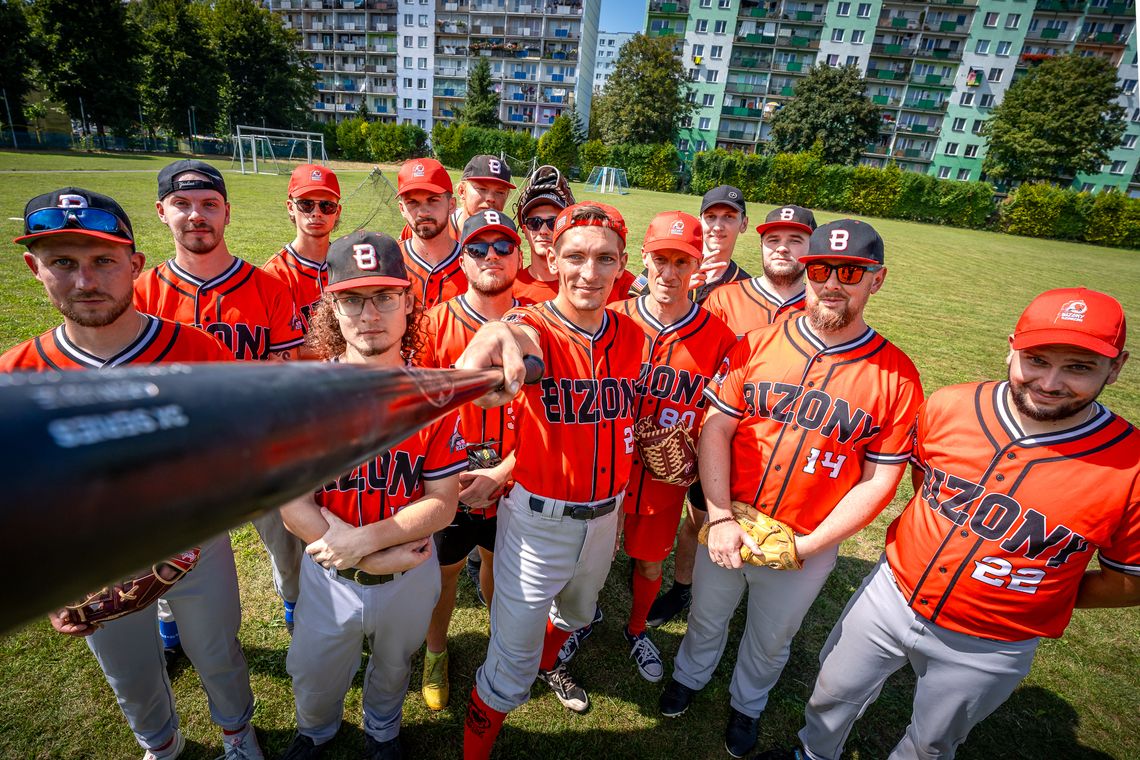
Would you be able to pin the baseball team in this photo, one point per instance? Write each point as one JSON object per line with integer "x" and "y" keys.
{"x": 792, "y": 405}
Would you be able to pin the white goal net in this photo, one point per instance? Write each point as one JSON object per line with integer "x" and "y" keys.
{"x": 259, "y": 150}
{"x": 607, "y": 179}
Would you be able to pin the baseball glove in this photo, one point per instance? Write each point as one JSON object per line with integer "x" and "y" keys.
{"x": 669, "y": 454}
{"x": 546, "y": 181}
{"x": 776, "y": 540}
{"x": 482, "y": 456}
{"x": 131, "y": 594}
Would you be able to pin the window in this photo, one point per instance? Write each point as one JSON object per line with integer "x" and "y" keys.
{"x": 864, "y": 10}
{"x": 1087, "y": 187}
{"x": 708, "y": 100}
{"x": 1118, "y": 167}
{"x": 694, "y": 75}
{"x": 1012, "y": 20}
{"x": 421, "y": 84}
{"x": 995, "y": 74}
{"x": 852, "y": 60}
{"x": 683, "y": 144}
{"x": 991, "y": 21}
{"x": 711, "y": 75}
{"x": 706, "y": 3}
{"x": 982, "y": 47}
{"x": 963, "y": 175}
{"x": 421, "y": 63}
{"x": 1128, "y": 86}
{"x": 833, "y": 60}
{"x": 978, "y": 124}
{"x": 702, "y": 25}
{"x": 704, "y": 123}
{"x": 421, "y": 42}
{"x": 971, "y": 151}
{"x": 1129, "y": 142}
{"x": 837, "y": 35}
{"x": 421, "y": 105}
{"x": 702, "y": 145}
{"x": 717, "y": 52}
{"x": 857, "y": 37}
{"x": 407, "y": 102}
{"x": 1003, "y": 48}
{"x": 698, "y": 50}
{"x": 407, "y": 62}
{"x": 951, "y": 149}
{"x": 408, "y": 41}
{"x": 719, "y": 27}
{"x": 423, "y": 21}
{"x": 943, "y": 172}
{"x": 722, "y": 4}
{"x": 687, "y": 122}
{"x": 959, "y": 124}
{"x": 843, "y": 9}
{"x": 407, "y": 83}
{"x": 967, "y": 99}
{"x": 987, "y": 101}
{"x": 409, "y": 19}
{"x": 691, "y": 97}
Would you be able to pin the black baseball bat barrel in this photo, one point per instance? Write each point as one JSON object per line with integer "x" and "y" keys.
{"x": 113, "y": 470}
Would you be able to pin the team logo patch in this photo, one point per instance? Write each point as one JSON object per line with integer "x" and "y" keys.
{"x": 72, "y": 201}
{"x": 678, "y": 227}
{"x": 457, "y": 443}
{"x": 733, "y": 195}
{"x": 316, "y": 175}
{"x": 418, "y": 170}
{"x": 721, "y": 373}
{"x": 1073, "y": 311}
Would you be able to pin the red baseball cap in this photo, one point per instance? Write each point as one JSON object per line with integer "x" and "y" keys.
{"x": 423, "y": 174}
{"x": 613, "y": 220}
{"x": 1073, "y": 317}
{"x": 310, "y": 178}
{"x": 674, "y": 231}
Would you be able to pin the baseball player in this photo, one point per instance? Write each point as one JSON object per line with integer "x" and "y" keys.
{"x": 313, "y": 203}
{"x": 81, "y": 247}
{"x": 541, "y": 199}
{"x": 686, "y": 347}
{"x": 370, "y": 570}
{"x": 484, "y": 186}
{"x": 992, "y": 552}
{"x": 249, "y": 310}
{"x": 490, "y": 259}
{"x": 746, "y": 305}
{"x": 811, "y": 424}
{"x": 558, "y": 524}
{"x": 431, "y": 254}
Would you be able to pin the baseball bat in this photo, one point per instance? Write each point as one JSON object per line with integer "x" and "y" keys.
{"x": 113, "y": 470}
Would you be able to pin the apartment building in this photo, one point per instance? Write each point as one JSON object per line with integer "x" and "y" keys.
{"x": 609, "y": 45}
{"x": 406, "y": 61}
{"x": 936, "y": 69}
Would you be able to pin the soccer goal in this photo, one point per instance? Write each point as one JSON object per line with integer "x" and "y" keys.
{"x": 259, "y": 150}
{"x": 607, "y": 179}
{"x": 372, "y": 206}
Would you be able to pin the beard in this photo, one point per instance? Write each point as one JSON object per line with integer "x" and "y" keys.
{"x": 107, "y": 315}
{"x": 197, "y": 244}
{"x": 782, "y": 274}
{"x": 491, "y": 284}
{"x": 428, "y": 229}
{"x": 1025, "y": 406}
{"x": 827, "y": 320}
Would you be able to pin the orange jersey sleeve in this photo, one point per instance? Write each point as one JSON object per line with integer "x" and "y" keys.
{"x": 305, "y": 279}
{"x": 809, "y": 416}
{"x": 577, "y": 422}
{"x": 998, "y": 538}
{"x": 746, "y": 305}
{"x": 433, "y": 285}
{"x": 682, "y": 358}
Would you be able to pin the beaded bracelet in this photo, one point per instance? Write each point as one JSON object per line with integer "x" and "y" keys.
{"x": 721, "y": 520}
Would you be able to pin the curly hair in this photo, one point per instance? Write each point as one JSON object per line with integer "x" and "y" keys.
{"x": 326, "y": 340}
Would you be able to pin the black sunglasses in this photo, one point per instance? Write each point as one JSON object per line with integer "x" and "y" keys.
{"x": 848, "y": 274}
{"x": 94, "y": 219}
{"x": 480, "y": 250}
{"x": 328, "y": 208}
{"x": 536, "y": 223}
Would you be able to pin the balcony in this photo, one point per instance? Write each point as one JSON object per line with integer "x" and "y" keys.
{"x": 1075, "y": 7}
{"x": 886, "y": 100}
{"x": 671, "y": 8}
{"x": 736, "y": 135}
{"x": 449, "y": 92}
{"x": 915, "y": 128}
{"x": 742, "y": 112}
{"x": 1102, "y": 39}
{"x": 748, "y": 62}
{"x": 796, "y": 67}
{"x": 1112, "y": 9}
{"x": 746, "y": 88}
{"x": 899, "y": 22}
{"x": 939, "y": 54}
{"x": 887, "y": 74}
{"x": 913, "y": 154}
{"x": 933, "y": 80}
{"x": 666, "y": 31}
{"x": 925, "y": 105}
{"x": 894, "y": 50}
{"x": 947, "y": 27}
{"x": 1051, "y": 34}
{"x": 561, "y": 9}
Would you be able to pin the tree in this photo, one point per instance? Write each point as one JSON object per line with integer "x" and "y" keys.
{"x": 557, "y": 147}
{"x": 85, "y": 51}
{"x": 14, "y": 54}
{"x": 577, "y": 127}
{"x": 1061, "y": 118}
{"x": 481, "y": 107}
{"x": 181, "y": 67}
{"x": 268, "y": 80}
{"x": 830, "y": 108}
{"x": 646, "y": 97}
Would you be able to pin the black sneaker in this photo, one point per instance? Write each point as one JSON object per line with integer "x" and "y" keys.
{"x": 676, "y": 698}
{"x": 569, "y": 693}
{"x": 670, "y": 604}
{"x": 389, "y": 750}
{"x": 302, "y": 748}
{"x": 474, "y": 565}
{"x": 574, "y": 641}
{"x": 740, "y": 734}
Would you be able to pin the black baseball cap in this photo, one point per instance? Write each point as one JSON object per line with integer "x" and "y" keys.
{"x": 724, "y": 195}
{"x": 489, "y": 220}
{"x": 796, "y": 217}
{"x": 213, "y": 178}
{"x": 75, "y": 211}
{"x": 847, "y": 239}
{"x": 488, "y": 169}
{"x": 362, "y": 259}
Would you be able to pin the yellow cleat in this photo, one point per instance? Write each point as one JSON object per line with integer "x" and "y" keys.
{"x": 436, "y": 689}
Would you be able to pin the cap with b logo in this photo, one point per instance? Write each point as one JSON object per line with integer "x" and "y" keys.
{"x": 211, "y": 178}
{"x": 310, "y": 178}
{"x": 68, "y": 216}
{"x": 488, "y": 169}
{"x": 847, "y": 239}
{"x": 365, "y": 259}
{"x": 489, "y": 220}
{"x": 674, "y": 231}
{"x": 1073, "y": 317}
{"x": 423, "y": 174}
{"x": 724, "y": 195}
{"x": 793, "y": 217}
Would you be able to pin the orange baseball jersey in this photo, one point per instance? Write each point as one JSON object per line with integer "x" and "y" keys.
{"x": 306, "y": 279}
{"x": 745, "y": 305}
{"x": 160, "y": 341}
{"x": 577, "y": 422}
{"x": 436, "y": 284}
{"x": 381, "y": 487}
{"x": 532, "y": 289}
{"x": 996, "y": 542}
{"x": 449, "y": 327}
{"x": 248, "y": 310}
{"x": 682, "y": 358}
{"x": 810, "y": 415}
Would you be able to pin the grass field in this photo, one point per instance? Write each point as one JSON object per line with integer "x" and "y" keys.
{"x": 950, "y": 300}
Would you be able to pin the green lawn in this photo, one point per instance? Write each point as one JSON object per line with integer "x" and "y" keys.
{"x": 951, "y": 299}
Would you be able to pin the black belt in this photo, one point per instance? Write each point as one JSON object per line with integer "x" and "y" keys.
{"x": 363, "y": 578}
{"x": 577, "y": 511}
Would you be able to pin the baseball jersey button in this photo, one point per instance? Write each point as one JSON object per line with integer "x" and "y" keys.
{"x": 942, "y": 570}
{"x": 1011, "y": 455}
{"x": 922, "y": 601}
{"x": 965, "y": 534}
{"x": 811, "y": 384}
{"x": 778, "y": 468}
{"x": 999, "y": 477}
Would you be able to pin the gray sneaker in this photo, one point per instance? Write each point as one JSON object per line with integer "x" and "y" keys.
{"x": 569, "y": 693}
{"x": 242, "y": 746}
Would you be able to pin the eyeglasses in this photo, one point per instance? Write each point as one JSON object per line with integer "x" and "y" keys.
{"x": 94, "y": 219}
{"x": 848, "y": 274}
{"x": 328, "y": 208}
{"x": 480, "y": 251}
{"x": 536, "y": 223}
{"x": 353, "y": 306}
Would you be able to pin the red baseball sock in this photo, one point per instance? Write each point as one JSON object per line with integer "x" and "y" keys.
{"x": 644, "y": 592}
{"x": 551, "y": 645}
{"x": 480, "y": 728}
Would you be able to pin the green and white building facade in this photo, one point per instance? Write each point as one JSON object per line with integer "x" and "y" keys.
{"x": 936, "y": 69}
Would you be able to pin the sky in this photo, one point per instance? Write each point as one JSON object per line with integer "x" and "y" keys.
{"x": 622, "y": 15}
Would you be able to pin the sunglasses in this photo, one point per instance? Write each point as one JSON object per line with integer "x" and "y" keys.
{"x": 94, "y": 219}
{"x": 328, "y": 208}
{"x": 536, "y": 223}
{"x": 848, "y": 274}
{"x": 353, "y": 306}
{"x": 479, "y": 251}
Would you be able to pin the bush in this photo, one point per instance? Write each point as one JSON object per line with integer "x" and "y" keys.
{"x": 392, "y": 143}
{"x": 352, "y": 139}
{"x": 873, "y": 192}
{"x": 456, "y": 144}
{"x": 1041, "y": 210}
{"x": 592, "y": 154}
{"x": 794, "y": 178}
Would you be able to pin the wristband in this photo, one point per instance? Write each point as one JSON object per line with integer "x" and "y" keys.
{"x": 714, "y": 523}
